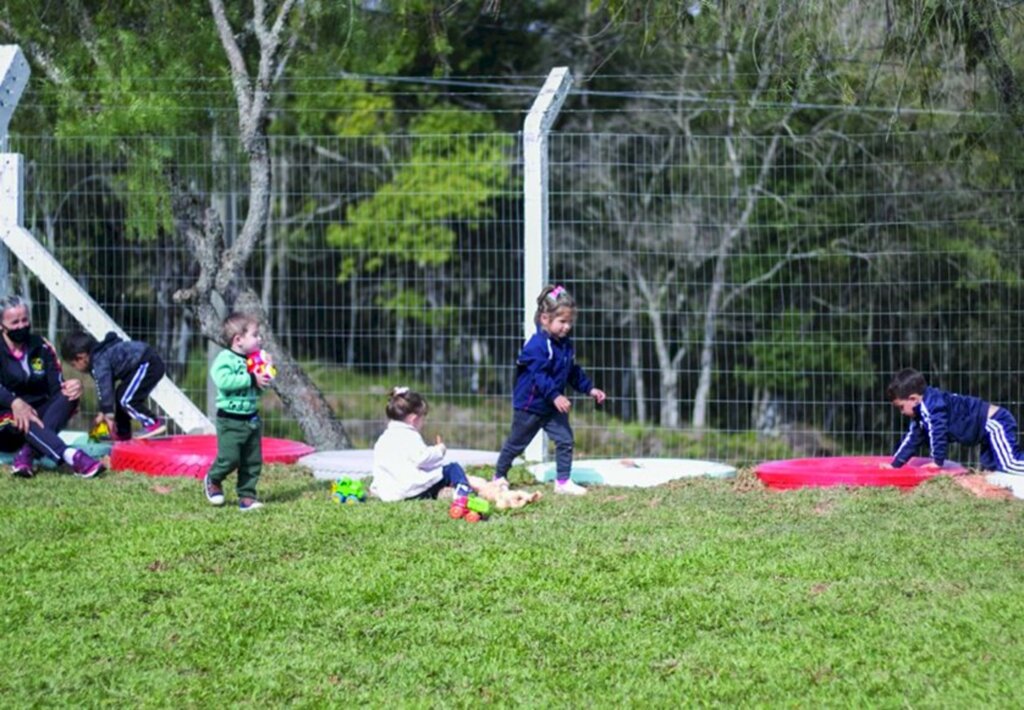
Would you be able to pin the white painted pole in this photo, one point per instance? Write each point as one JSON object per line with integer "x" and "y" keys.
{"x": 75, "y": 299}
{"x": 14, "y": 74}
{"x": 536, "y": 127}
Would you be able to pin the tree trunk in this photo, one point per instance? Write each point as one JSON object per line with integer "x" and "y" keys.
{"x": 300, "y": 396}
{"x": 637, "y": 369}
{"x": 220, "y": 287}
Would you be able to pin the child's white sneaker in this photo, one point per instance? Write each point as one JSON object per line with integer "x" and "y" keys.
{"x": 569, "y": 488}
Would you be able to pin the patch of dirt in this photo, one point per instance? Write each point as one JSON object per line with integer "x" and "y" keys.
{"x": 977, "y": 485}
{"x": 824, "y": 507}
{"x": 746, "y": 480}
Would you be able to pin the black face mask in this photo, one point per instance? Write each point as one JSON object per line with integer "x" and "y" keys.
{"x": 19, "y": 336}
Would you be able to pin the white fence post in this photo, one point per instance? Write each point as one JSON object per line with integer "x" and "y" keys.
{"x": 14, "y": 71}
{"x": 536, "y": 127}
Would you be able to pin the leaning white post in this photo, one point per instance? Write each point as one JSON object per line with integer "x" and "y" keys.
{"x": 76, "y": 300}
{"x": 536, "y": 127}
{"x": 14, "y": 79}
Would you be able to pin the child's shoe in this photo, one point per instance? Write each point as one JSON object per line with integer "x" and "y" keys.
{"x": 248, "y": 504}
{"x": 158, "y": 427}
{"x": 459, "y": 502}
{"x": 569, "y": 488}
{"x": 501, "y": 482}
{"x": 22, "y": 464}
{"x": 214, "y": 493}
{"x": 85, "y": 466}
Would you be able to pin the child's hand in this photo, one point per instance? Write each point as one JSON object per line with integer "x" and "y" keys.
{"x": 72, "y": 389}
{"x": 562, "y": 404}
{"x": 440, "y": 444}
{"x": 598, "y": 395}
{"x": 263, "y": 379}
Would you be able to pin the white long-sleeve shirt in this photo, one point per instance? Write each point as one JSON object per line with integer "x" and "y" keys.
{"x": 403, "y": 465}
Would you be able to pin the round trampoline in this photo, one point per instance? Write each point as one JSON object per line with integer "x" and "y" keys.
{"x": 190, "y": 455}
{"x": 634, "y": 473}
{"x": 849, "y": 471}
{"x": 358, "y": 463}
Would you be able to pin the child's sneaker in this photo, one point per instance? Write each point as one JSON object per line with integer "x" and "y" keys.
{"x": 249, "y": 504}
{"x": 22, "y": 464}
{"x": 158, "y": 427}
{"x": 569, "y": 488}
{"x": 501, "y": 482}
{"x": 214, "y": 493}
{"x": 85, "y": 466}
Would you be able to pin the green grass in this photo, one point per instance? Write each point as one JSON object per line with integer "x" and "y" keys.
{"x": 133, "y": 591}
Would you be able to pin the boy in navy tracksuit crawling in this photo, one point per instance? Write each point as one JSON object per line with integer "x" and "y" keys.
{"x": 939, "y": 416}
{"x": 545, "y": 366}
{"x": 125, "y": 372}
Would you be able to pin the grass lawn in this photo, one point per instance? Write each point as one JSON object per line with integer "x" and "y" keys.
{"x": 133, "y": 591}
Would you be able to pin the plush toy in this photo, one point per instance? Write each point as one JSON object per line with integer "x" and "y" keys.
{"x": 259, "y": 362}
{"x": 516, "y": 499}
{"x": 503, "y": 498}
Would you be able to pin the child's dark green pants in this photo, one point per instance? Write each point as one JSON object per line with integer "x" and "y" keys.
{"x": 238, "y": 447}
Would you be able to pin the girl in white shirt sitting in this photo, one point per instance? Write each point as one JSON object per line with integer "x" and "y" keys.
{"x": 404, "y": 467}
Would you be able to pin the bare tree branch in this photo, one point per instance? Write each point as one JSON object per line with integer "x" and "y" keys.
{"x": 36, "y": 54}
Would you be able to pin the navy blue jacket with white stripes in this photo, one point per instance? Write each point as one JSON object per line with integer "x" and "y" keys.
{"x": 113, "y": 360}
{"x": 939, "y": 417}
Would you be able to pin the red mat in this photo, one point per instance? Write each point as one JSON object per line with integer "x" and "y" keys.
{"x": 191, "y": 455}
{"x": 850, "y": 471}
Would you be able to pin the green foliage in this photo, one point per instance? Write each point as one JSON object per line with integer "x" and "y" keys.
{"x": 448, "y": 172}
{"x": 796, "y": 356}
{"x": 129, "y": 70}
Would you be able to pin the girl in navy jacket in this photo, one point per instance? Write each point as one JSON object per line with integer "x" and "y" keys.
{"x": 544, "y": 367}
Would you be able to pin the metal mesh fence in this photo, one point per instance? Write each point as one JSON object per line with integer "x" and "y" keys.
{"x": 746, "y": 289}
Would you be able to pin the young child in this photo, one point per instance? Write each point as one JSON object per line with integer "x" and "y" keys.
{"x": 125, "y": 372}
{"x": 939, "y": 416}
{"x": 239, "y": 429}
{"x": 404, "y": 467}
{"x": 544, "y": 368}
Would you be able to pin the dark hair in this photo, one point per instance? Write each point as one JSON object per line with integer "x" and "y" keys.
{"x": 905, "y": 383}
{"x": 402, "y": 402}
{"x": 234, "y": 325}
{"x": 553, "y": 299}
{"x": 75, "y": 344}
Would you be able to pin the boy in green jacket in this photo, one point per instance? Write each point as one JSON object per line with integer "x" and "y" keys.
{"x": 239, "y": 429}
